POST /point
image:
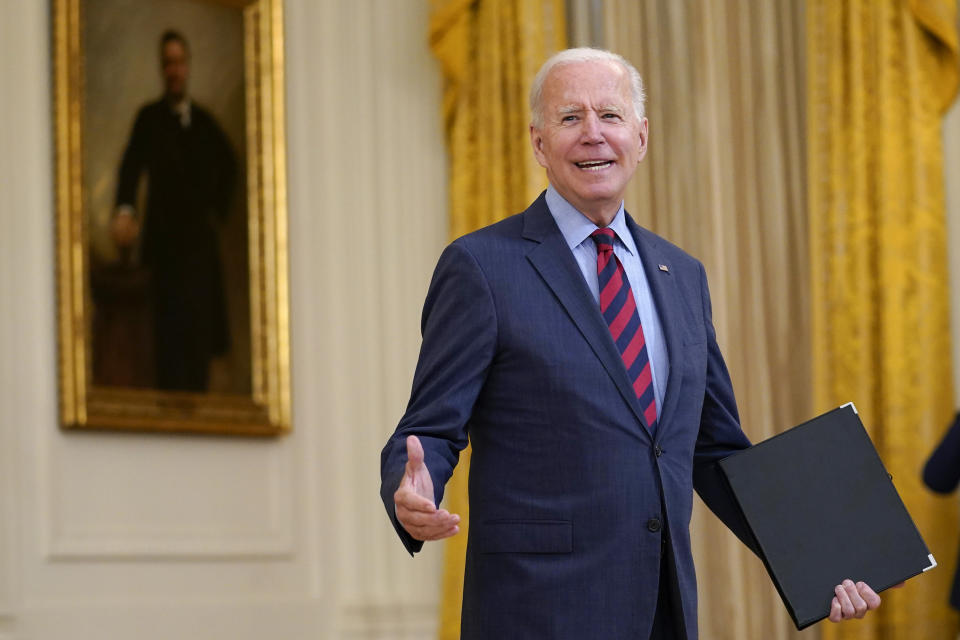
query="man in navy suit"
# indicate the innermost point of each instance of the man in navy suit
(584, 462)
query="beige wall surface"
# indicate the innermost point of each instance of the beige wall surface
(113, 536)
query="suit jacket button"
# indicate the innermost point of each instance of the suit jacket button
(657, 451)
(653, 524)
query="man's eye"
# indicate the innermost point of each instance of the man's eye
(568, 118)
(610, 116)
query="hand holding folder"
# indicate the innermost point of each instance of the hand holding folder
(822, 509)
(852, 600)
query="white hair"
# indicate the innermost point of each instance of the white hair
(584, 54)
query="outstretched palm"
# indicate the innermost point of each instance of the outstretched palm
(414, 500)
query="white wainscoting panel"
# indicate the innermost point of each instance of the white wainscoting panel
(396, 621)
(154, 497)
(175, 619)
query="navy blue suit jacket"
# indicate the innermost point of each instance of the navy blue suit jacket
(942, 474)
(565, 478)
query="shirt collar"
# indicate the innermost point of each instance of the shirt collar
(577, 227)
(182, 111)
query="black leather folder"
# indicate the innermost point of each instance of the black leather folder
(822, 508)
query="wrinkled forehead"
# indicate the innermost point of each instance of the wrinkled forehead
(594, 84)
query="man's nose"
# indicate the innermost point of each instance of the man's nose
(591, 133)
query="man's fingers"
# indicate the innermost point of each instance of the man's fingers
(859, 604)
(414, 453)
(836, 613)
(852, 601)
(406, 497)
(430, 534)
(413, 499)
(439, 519)
(846, 607)
(869, 595)
(434, 526)
(452, 531)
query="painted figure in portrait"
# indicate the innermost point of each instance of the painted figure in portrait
(168, 246)
(191, 171)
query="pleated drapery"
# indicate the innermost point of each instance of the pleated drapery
(882, 72)
(724, 179)
(489, 51)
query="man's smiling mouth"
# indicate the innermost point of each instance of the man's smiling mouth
(594, 165)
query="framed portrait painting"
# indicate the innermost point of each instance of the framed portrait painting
(171, 215)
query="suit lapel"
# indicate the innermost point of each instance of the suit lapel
(552, 259)
(666, 297)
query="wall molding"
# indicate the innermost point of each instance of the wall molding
(290, 618)
(387, 620)
(268, 534)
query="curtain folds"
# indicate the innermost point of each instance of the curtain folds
(882, 74)
(489, 51)
(724, 179)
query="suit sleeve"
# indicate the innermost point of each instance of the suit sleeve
(459, 340)
(133, 162)
(720, 434)
(224, 170)
(942, 471)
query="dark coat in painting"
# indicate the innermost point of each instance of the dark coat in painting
(190, 171)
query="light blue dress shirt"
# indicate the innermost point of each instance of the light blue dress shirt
(576, 229)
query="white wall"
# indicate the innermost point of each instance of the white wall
(112, 536)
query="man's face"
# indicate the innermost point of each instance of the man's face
(590, 141)
(175, 67)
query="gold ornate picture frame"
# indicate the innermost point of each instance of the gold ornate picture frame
(107, 59)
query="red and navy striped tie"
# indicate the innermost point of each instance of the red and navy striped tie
(619, 309)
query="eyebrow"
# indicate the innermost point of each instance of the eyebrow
(612, 108)
(576, 108)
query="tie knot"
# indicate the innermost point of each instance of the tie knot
(603, 238)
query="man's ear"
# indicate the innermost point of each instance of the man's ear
(643, 133)
(536, 141)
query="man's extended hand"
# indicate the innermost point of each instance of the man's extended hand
(852, 601)
(414, 500)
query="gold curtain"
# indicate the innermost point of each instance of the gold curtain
(489, 51)
(882, 72)
(724, 179)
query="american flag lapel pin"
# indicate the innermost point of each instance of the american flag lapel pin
(664, 268)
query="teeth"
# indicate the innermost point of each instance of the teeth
(594, 165)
